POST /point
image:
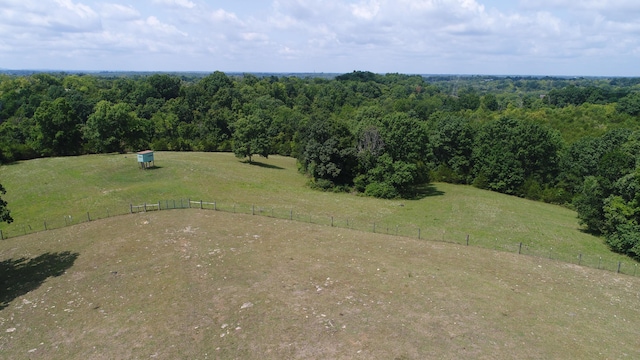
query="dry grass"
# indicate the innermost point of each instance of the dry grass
(198, 284)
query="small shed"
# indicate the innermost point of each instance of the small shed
(145, 159)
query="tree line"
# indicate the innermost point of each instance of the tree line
(569, 141)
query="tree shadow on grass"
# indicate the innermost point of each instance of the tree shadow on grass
(423, 191)
(154, 167)
(20, 276)
(263, 165)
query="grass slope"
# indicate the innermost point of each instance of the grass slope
(47, 190)
(198, 284)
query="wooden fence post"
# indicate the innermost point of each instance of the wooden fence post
(45, 225)
(418, 233)
(1, 235)
(619, 264)
(88, 216)
(467, 239)
(520, 248)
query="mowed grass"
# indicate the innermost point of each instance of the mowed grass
(200, 284)
(49, 190)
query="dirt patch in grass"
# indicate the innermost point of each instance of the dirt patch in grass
(205, 284)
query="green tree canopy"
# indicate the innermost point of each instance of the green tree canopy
(5, 214)
(57, 129)
(111, 128)
(250, 137)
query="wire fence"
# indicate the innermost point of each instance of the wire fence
(593, 261)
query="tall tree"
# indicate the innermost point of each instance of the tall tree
(250, 137)
(508, 152)
(57, 129)
(111, 127)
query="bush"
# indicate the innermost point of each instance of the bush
(625, 240)
(381, 190)
(446, 174)
(322, 184)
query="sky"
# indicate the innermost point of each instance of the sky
(483, 37)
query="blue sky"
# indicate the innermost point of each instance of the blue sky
(519, 37)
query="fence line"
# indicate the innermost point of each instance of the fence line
(623, 267)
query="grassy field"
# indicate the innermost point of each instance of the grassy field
(198, 284)
(60, 191)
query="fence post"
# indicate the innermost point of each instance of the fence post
(419, 234)
(520, 249)
(88, 217)
(215, 207)
(253, 209)
(374, 227)
(467, 239)
(332, 221)
(599, 262)
(189, 201)
(45, 225)
(145, 207)
(396, 230)
(619, 264)
(291, 214)
(200, 204)
(159, 202)
(1, 235)
(579, 259)
(130, 209)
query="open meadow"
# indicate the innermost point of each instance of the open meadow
(284, 283)
(56, 192)
(199, 284)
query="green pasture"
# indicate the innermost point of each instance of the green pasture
(56, 192)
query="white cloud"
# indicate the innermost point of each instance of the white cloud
(119, 12)
(366, 10)
(176, 3)
(329, 35)
(220, 15)
(57, 16)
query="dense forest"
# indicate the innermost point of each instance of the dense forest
(569, 141)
